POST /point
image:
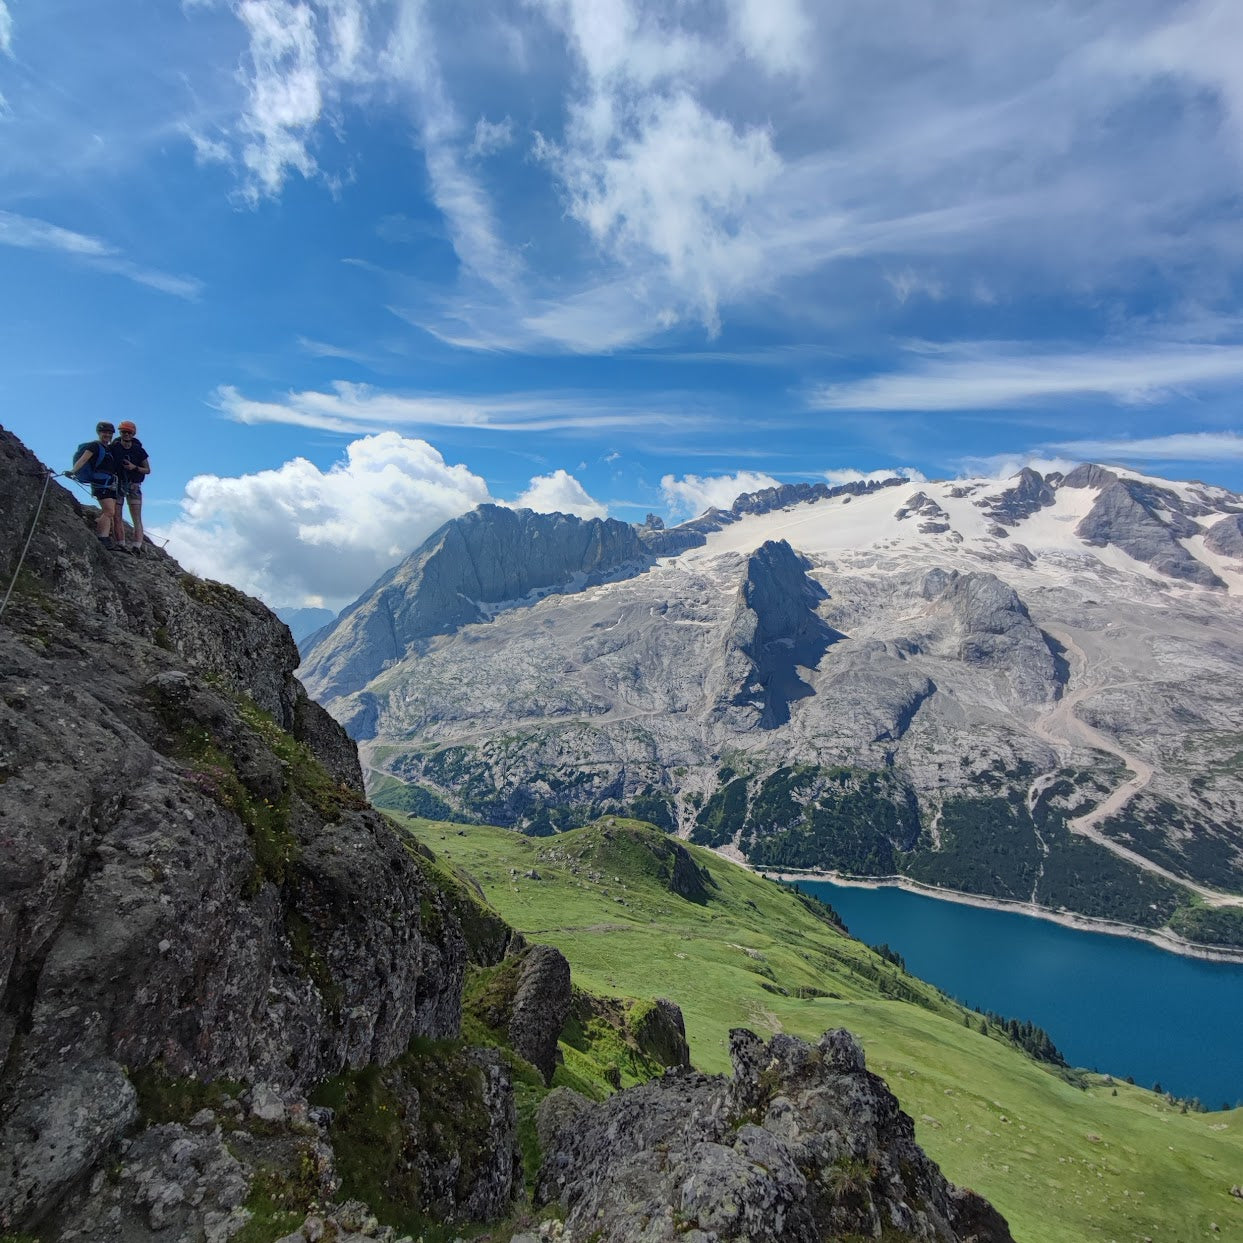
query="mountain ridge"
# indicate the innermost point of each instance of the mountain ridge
(966, 610)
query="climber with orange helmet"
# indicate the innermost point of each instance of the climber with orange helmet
(133, 466)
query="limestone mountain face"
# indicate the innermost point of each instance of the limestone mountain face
(1148, 524)
(489, 557)
(775, 630)
(1225, 537)
(999, 652)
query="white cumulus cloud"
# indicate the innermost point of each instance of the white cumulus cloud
(692, 494)
(298, 532)
(560, 493)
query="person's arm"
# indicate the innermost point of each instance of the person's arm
(145, 467)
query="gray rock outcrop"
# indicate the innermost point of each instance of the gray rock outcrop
(802, 1144)
(661, 1033)
(933, 519)
(992, 628)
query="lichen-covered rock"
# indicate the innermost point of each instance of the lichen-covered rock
(170, 1182)
(191, 876)
(802, 1144)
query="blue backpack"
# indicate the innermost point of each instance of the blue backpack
(92, 473)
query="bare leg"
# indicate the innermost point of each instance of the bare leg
(107, 517)
(135, 518)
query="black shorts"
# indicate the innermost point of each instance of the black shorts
(104, 492)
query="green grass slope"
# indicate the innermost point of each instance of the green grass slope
(1066, 1158)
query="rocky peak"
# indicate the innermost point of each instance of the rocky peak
(991, 628)
(1226, 537)
(1032, 492)
(490, 556)
(1089, 475)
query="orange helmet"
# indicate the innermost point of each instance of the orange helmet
(126, 426)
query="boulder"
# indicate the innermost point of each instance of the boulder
(540, 1007)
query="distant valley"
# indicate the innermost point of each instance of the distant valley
(1024, 689)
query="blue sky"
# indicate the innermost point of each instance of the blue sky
(355, 265)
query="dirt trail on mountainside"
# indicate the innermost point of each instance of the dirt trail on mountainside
(1060, 727)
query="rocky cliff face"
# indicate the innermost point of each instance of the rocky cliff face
(1226, 537)
(192, 879)
(986, 625)
(1147, 524)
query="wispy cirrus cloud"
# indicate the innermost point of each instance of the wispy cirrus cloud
(706, 161)
(31, 234)
(6, 29)
(981, 376)
(27, 233)
(353, 408)
(1221, 446)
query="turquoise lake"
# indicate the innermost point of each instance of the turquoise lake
(1113, 1004)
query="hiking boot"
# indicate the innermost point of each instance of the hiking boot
(107, 543)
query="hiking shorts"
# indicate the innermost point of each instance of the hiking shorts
(132, 491)
(104, 491)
